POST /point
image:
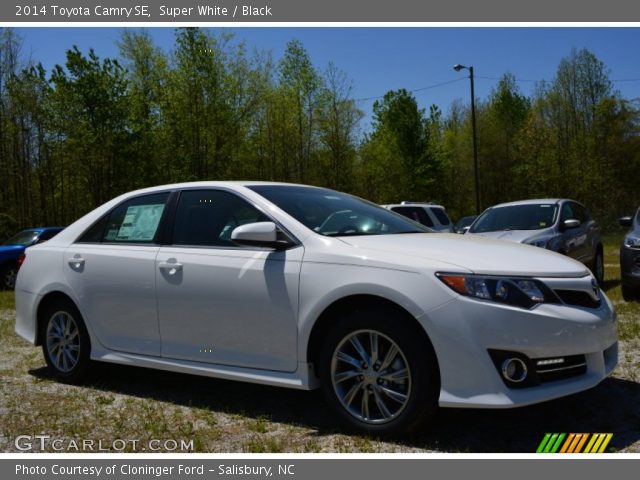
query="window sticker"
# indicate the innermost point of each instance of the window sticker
(140, 223)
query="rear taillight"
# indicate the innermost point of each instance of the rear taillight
(21, 258)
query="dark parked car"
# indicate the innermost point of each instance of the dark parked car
(630, 258)
(12, 249)
(562, 225)
(464, 223)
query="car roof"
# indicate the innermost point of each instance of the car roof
(41, 229)
(533, 201)
(414, 204)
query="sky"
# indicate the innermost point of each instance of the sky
(382, 59)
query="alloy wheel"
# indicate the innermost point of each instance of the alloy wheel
(63, 341)
(371, 376)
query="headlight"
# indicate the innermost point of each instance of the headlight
(519, 292)
(631, 241)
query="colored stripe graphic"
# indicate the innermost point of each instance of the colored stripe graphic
(574, 443)
(582, 442)
(543, 443)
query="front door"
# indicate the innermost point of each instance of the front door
(222, 303)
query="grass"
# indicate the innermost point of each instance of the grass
(121, 402)
(7, 300)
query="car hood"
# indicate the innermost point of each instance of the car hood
(474, 253)
(518, 236)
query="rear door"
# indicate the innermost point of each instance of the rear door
(222, 303)
(111, 269)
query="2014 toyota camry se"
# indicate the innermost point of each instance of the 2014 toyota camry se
(306, 287)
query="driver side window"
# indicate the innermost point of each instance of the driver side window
(567, 213)
(206, 218)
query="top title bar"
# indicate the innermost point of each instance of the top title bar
(297, 11)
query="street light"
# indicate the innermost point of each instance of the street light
(457, 67)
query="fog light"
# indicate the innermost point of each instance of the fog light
(514, 370)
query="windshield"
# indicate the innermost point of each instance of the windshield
(516, 217)
(333, 214)
(465, 222)
(26, 237)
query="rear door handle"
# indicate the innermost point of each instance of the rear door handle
(170, 267)
(76, 262)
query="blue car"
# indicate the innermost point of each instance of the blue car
(11, 250)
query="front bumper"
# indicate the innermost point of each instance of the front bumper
(630, 266)
(464, 330)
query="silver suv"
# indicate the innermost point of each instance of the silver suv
(428, 214)
(559, 224)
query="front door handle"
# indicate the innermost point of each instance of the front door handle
(170, 267)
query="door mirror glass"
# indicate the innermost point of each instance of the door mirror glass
(625, 221)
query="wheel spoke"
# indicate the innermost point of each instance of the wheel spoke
(389, 357)
(75, 348)
(355, 341)
(346, 375)
(393, 395)
(351, 394)
(343, 357)
(365, 404)
(373, 340)
(384, 410)
(396, 376)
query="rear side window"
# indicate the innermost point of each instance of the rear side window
(441, 216)
(47, 235)
(417, 214)
(207, 217)
(134, 221)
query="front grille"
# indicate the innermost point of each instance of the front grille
(578, 298)
(560, 368)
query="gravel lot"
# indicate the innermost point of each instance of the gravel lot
(222, 416)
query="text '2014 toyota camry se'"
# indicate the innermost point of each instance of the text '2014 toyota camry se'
(306, 287)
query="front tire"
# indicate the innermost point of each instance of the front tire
(379, 373)
(598, 266)
(65, 342)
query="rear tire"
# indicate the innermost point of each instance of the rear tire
(378, 374)
(9, 275)
(629, 294)
(65, 342)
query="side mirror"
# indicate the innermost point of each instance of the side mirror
(259, 234)
(625, 221)
(571, 223)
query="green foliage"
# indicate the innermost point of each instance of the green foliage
(211, 110)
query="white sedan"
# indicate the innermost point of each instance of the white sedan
(306, 287)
